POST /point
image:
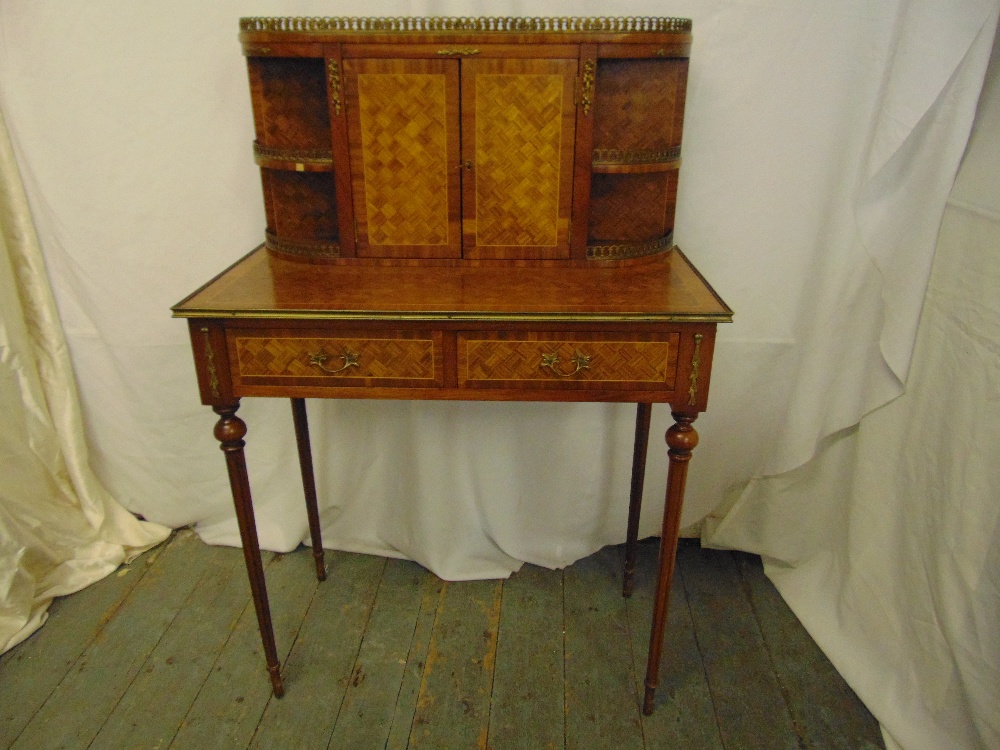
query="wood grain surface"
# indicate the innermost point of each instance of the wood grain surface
(663, 288)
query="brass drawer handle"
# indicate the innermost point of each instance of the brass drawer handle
(349, 357)
(465, 51)
(581, 361)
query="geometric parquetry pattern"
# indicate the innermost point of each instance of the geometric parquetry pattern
(639, 104)
(304, 204)
(610, 361)
(630, 207)
(518, 141)
(294, 113)
(404, 147)
(376, 358)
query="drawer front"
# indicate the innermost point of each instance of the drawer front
(386, 359)
(566, 360)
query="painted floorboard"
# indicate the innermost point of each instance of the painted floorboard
(81, 703)
(684, 716)
(32, 670)
(368, 710)
(174, 673)
(827, 713)
(386, 654)
(230, 704)
(527, 710)
(409, 688)
(600, 683)
(453, 707)
(749, 705)
(318, 669)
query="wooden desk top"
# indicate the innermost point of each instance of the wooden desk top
(666, 288)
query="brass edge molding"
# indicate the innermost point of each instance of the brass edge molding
(302, 247)
(509, 24)
(333, 71)
(292, 156)
(586, 96)
(213, 373)
(626, 250)
(695, 364)
(434, 316)
(613, 156)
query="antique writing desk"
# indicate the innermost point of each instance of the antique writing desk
(273, 327)
(473, 209)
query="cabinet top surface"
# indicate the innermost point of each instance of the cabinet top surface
(624, 29)
(666, 288)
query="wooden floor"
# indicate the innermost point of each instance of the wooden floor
(165, 653)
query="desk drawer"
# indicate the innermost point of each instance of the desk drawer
(388, 359)
(567, 360)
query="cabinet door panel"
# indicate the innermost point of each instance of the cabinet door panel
(403, 134)
(518, 123)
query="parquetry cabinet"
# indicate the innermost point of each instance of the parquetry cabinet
(468, 139)
(474, 209)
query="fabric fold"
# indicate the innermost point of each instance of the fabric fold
(60, 530)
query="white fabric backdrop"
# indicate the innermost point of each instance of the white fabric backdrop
(887, 543)
(821, 140)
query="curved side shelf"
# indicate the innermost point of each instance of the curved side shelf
(294, 160)
(638, 161)
(302, 249)
(628, 250)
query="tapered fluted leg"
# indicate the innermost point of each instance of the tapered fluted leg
(309, 483)
(681, 439)
(229, 431)
(642, 415)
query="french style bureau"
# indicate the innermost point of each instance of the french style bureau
(474, 209)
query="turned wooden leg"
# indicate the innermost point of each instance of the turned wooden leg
(681, 439)
(229, 431)
(635, 498)
(309, 483)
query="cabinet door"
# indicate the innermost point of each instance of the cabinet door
(402, 119)
(518, 124)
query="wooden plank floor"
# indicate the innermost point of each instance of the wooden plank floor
(165, 653)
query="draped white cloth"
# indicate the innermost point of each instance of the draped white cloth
(821, 141)
(887, 543)
(60, 530)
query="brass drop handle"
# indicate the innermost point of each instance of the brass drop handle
(320, 357)
(458, 51)
(467, 164)
(581, 362)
